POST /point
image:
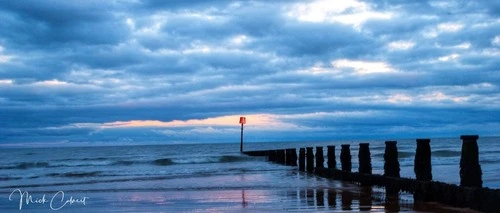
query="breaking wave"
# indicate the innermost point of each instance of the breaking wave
(26, 165)
(201, 160)
(108, 162)
(446, 153)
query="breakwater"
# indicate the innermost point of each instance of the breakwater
(469, 194)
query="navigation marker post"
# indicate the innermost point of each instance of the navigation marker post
(243, 121)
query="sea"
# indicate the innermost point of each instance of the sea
(210, 178)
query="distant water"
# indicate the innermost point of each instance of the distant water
(159, 168)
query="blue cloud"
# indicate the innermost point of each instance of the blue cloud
(397, 68)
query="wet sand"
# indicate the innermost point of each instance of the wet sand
(321, 199)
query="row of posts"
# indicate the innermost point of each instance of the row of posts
(470, 170)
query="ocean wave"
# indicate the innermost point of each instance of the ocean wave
(201, 160)
(26, 165)
(85, 159)
(163, 162)
(76, 174)
(100, 162)
(489, 161)
(446, 153)
(406, 154)
(230, 159)
(124, 163)
(400, 155)
(9, 178)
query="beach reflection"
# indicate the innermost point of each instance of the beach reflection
(332, 198)
(392, 203)
(336, 199)
(346, 200)
(343, 199)
(243, 202)
(365, 199)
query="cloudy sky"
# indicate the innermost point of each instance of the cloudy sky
(146, 71)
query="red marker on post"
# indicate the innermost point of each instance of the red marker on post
(243, 121)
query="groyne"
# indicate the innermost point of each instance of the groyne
(469, 194)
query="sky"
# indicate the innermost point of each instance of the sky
(162, 72)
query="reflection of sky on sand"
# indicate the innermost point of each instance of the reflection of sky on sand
(268, 191)
(259, 192)
(347, 197)
(292, 199)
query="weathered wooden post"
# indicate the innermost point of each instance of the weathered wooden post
(423, 168)
(270, 155)
(282, 156)
(391, 162)
(287, 157)
(310, 159)
(276, 156)
(332, 163)
(345, 157)
(470, 170)
(391, 167)
(365, 162)
(319, 157)
(423, 165)
(302, 159)
(292, 153)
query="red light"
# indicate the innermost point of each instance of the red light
(243, 120)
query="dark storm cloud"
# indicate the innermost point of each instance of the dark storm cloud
(54, 23)
(372, 68)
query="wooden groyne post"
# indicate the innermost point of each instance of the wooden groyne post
(272, 156)
(345, 158)
(422, 163)
(332, 163)
(288, 158)
(470, 170)
(302, 159)
(281, 156)
(391, 166)
(391, 162)
(319, 157)
(365, 161)
(310, 159)
(291, 157)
